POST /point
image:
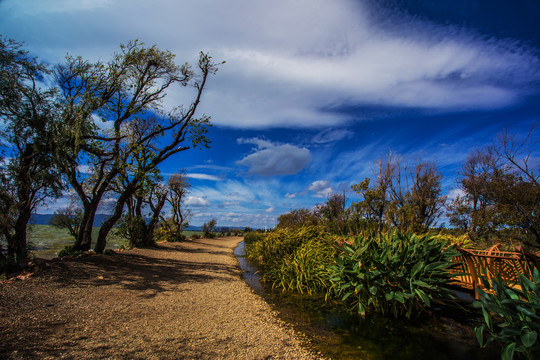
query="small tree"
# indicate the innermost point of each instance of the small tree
(68, 218)
(333, 214)
(208, 228)
(416, 197)
(178, 189)
(376, 198)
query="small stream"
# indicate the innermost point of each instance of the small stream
(339, 334)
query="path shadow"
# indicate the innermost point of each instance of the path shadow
(149, 274)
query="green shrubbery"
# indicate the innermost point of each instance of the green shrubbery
(69, 251)
(517, 317)
(252, 236)
(295, 259)
(396, 274)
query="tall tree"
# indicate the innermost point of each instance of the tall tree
(501, 185)
(29, 112)
(127, 93)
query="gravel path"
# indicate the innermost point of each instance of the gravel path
(178, 301)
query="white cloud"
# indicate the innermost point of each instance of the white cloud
(270, 209)
(289, 63)
(290, 196)
(203, 177)
(331, 135)
(271, 159)
(196, 201)
(84, 169)
(321, 188)
(454, 193)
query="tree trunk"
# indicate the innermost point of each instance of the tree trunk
(18, 248)
(113, 219)
(84, 238)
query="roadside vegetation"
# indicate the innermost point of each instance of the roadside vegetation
(387, 255)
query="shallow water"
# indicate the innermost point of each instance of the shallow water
(340, 334)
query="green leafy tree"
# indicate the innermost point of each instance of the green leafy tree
(128, 93)
(29, 113)
(459, 213)
(296, 219)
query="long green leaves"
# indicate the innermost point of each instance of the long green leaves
(396, 274)
(296, 259)
(517, 316)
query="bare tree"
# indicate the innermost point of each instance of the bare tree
(416, 197)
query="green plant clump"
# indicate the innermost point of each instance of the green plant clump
(294, 259)
(252, 237)
(69, 251)
(519, 313)
(395, 274)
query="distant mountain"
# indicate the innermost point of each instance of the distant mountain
(43, 219)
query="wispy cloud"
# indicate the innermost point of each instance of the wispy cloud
(204, 177)
(294, 64)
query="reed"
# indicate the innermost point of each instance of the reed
(295, 259)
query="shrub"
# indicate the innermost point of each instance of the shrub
(69, 251)
(252, 237)
(177, 238)
(196, 236)
(293, 259)
(395, 274)
(307, 269)
(519, 314)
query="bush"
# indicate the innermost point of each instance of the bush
(196, 236)
(176, 238)
(519, 312)
(293, 259)
(252, 237)
(69, 251)
(395, 274)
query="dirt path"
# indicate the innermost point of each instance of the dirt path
(178, 301)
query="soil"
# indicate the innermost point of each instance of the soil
(176, 301)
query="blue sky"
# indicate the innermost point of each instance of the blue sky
(313, 92)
